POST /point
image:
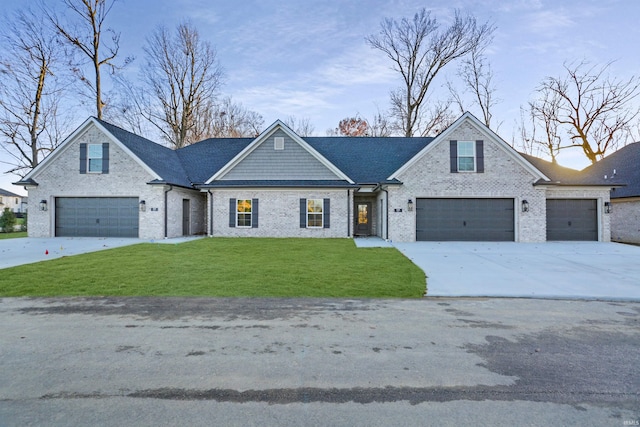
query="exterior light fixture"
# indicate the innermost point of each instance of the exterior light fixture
(143, 206)
(43, 205)
(525, 206)
(607, 207)
(410, 205)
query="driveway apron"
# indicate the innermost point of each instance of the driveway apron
(585, 270)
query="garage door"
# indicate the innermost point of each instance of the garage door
(572, 219)
(464, 220)
(97, 217)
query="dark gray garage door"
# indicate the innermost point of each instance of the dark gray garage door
(572, 219)
(464, 220)
(97, 217)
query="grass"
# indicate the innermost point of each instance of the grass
(222, 267)
(13, 235)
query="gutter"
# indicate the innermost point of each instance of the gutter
(386, 228)
(210, 197)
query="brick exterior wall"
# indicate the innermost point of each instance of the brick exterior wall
(279, 212)
(625, 220)
(503, 177)
(126, 178)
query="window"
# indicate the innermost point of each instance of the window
(466, 156)
(278, 143)
(314, 213)
(94, 157)
(17, 201)
(243, 213)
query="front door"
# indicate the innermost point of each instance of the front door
(363, 219)
(186, 215)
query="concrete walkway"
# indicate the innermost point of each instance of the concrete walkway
(28, 250)
(580, 270)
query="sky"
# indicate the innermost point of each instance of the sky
(309, 59)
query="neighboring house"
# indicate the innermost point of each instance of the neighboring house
(12, 201)
(466, 184)
(622, 167)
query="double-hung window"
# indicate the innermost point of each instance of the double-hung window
(315, 213)
(466, 156)
(94, 158)
(243, 213)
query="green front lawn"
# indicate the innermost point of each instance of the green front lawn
(221, 267)
(13, 235)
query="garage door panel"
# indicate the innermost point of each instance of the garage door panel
(97, 217)
(572, 219)
(465, 219)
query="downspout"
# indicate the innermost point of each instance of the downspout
(386, 208)
(210, 196)
(348, 213)
(166, 213)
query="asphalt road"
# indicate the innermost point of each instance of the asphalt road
(169, 361)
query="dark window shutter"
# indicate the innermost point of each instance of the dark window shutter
(480, 156)
(254, 213)
(83, 158)
(232, 212)
(303, 213)
(326, 210)
(105, 158)
(453, 154)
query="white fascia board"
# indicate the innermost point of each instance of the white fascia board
(68, 142)
(481, 127)
(125, 149)
(262, 138)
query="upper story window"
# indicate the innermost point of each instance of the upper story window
(94, 158)
(466, 156)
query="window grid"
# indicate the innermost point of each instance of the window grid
(243, 213)
(314, 213)
(94, 158)
(466, 156)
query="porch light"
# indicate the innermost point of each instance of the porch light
(43, 205)
(607, 207)
(143, 206)
(410, 205)
(525, 206)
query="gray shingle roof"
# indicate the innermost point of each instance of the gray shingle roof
(560, 175)
(626, 164)
(6, 193)
(162, 160)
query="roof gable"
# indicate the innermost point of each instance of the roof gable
(444, 137)
(294, 160)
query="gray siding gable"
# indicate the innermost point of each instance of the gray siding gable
(294, 162)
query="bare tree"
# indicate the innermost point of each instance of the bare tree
(477, 78)
(593, 108)
(84, 32)
(31, 124)
(544, 114)
(230, 120)
(301, 126)
(419, 50)
(182, 75)
(379, 126)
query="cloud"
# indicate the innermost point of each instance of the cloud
(549, 22)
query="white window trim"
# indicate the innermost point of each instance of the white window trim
(89, 158)
(475, 161)
(244, 213)
(315, 213)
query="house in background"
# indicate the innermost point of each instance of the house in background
(466, 184)
(623, 168)
(12, 201)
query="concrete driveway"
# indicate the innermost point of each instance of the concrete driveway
(584, 270)
(29, 250)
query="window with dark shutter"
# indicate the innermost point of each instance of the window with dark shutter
(105, 157)
(232, 212)
(303, 213)
(480, 156)
(327, 213)
(453, 156)
(254, 213)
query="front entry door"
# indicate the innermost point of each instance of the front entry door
(363, 219)
(186, 214)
